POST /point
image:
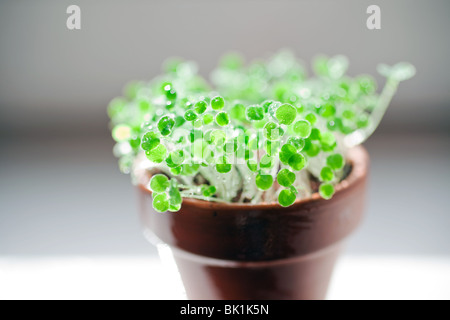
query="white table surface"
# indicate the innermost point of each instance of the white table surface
(122, 277)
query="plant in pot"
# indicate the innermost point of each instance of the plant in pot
(255, 181)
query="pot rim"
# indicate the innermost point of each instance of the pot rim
(358, 157)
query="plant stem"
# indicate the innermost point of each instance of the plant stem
(361, 135)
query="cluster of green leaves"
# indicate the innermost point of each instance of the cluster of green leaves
(258, 132)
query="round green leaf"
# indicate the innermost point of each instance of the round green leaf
(302, 128)
(252, 165)
(327, 110)
(254, 113)
(223, 166)
(200, 107)
(335, 161)
(222, 119)
(179, 121)
(312, 150)
(286, 114)
(217, 103)
(165, 125)
(286, 152)
(207, 119)
(190, 115)
(175, 158)
(150, 141)
(264, 181)
(286, 197)
(161, 202)
(298, 143)
(362, 121)
(208, 191)
(326, 190)
(266, 162)
(326, 174)
(169, 91)
(311, 118)
(238, 112)
(315, 134)
(157, 154)
(285, 177)
(175, 196)
(159, 183)
(297, 161)
(174, 207)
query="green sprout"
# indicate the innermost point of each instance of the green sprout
(265, 133)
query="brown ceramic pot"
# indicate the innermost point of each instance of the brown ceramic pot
(265, 251)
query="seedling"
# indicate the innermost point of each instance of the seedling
(261, 133)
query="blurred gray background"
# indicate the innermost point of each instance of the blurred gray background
(60, 188)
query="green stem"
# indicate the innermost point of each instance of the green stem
(359, 136)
